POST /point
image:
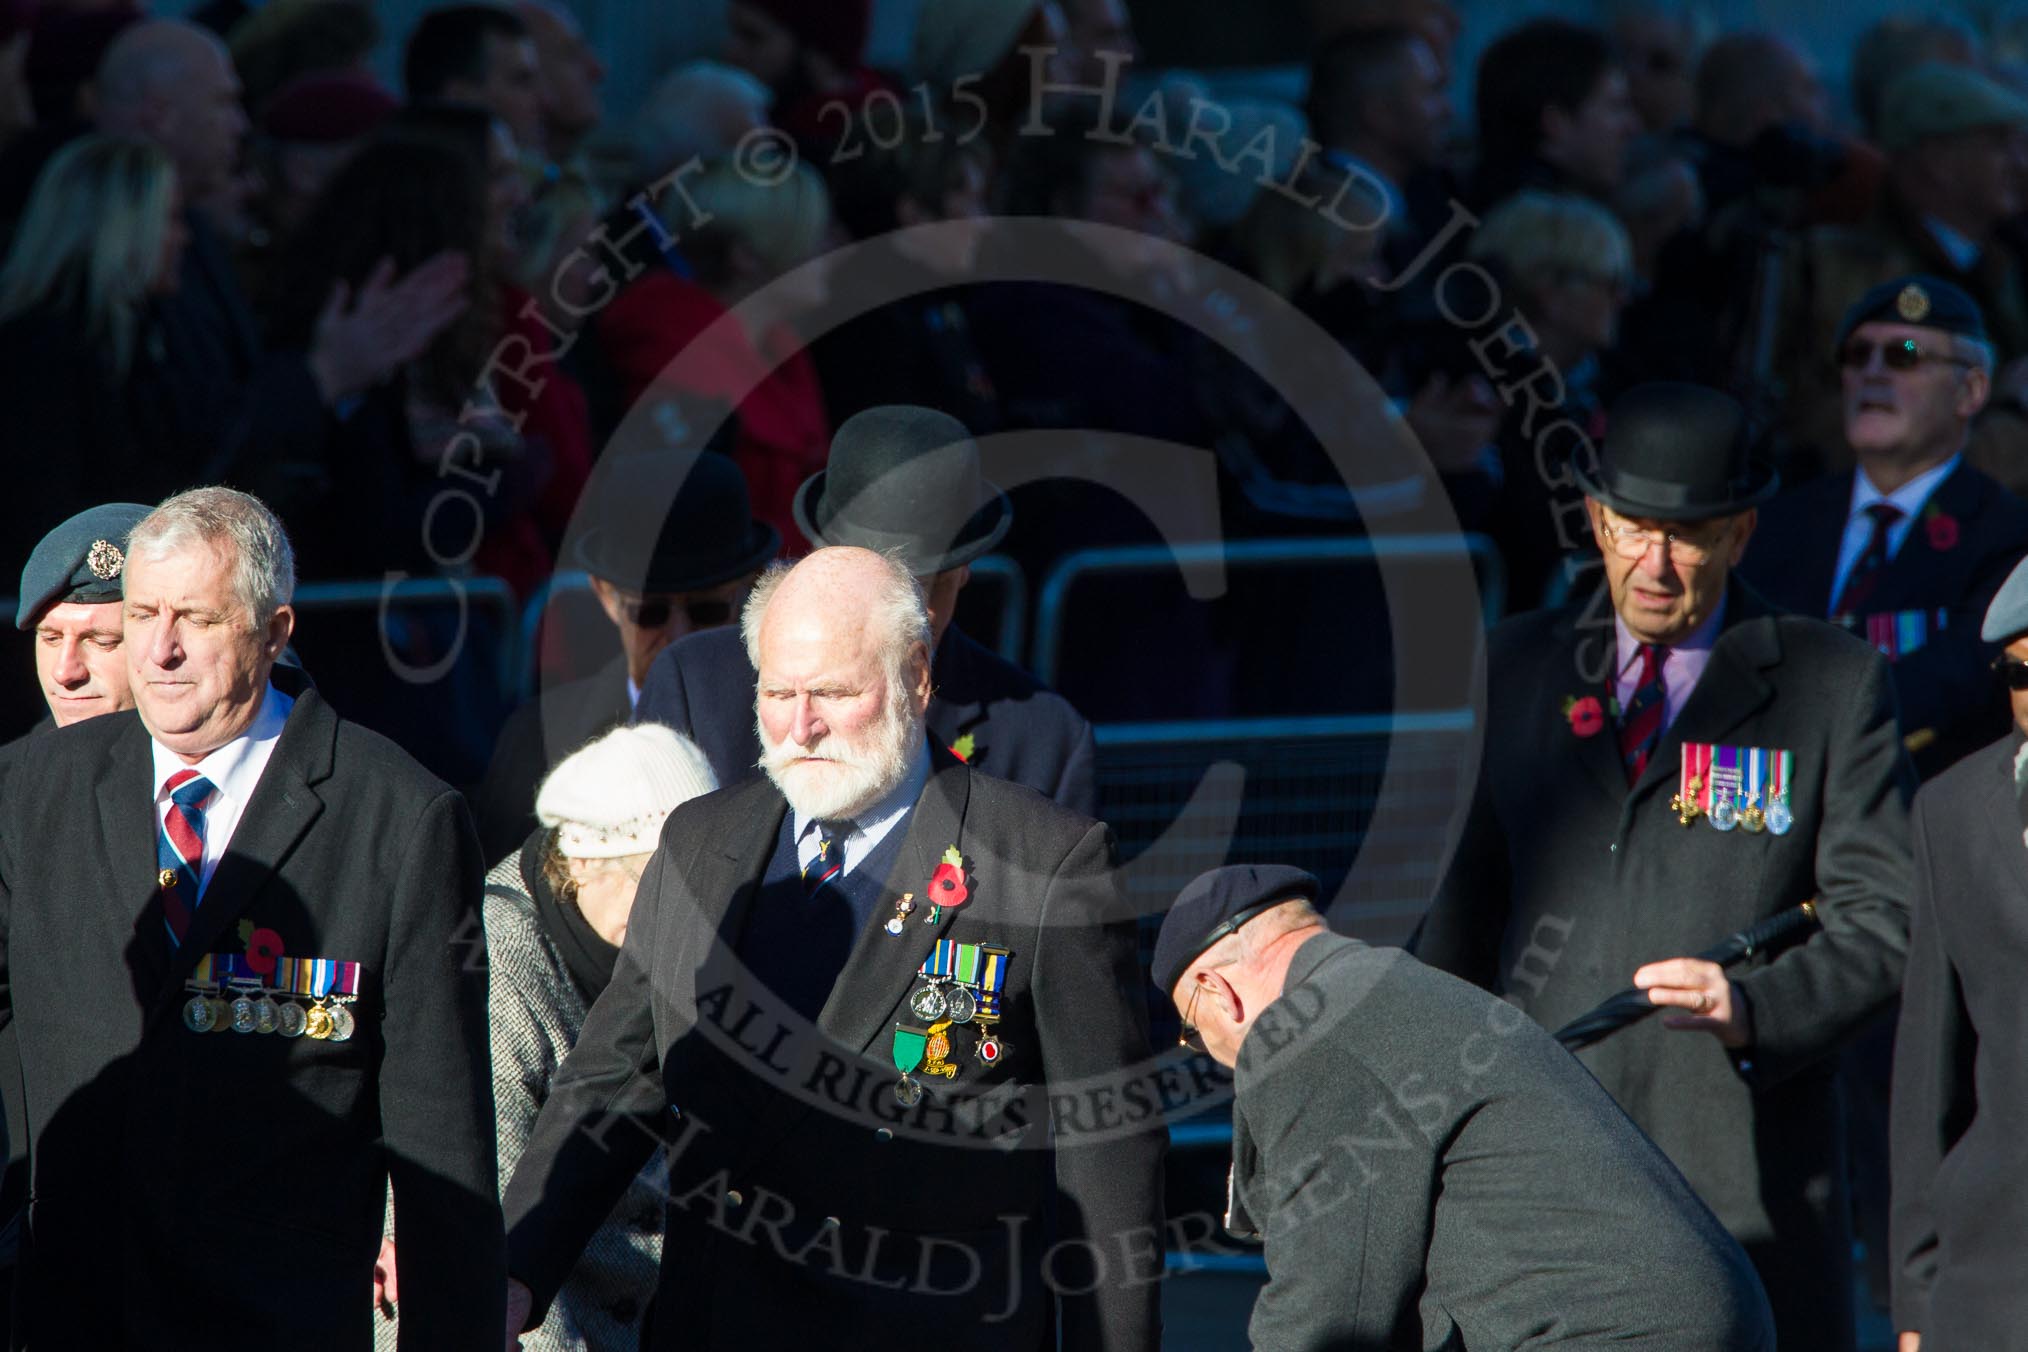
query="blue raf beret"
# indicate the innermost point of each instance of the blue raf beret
(1213, 905)
(81, 560)
(2007, 617)
(1929, 302)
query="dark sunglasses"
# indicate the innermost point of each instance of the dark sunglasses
(652, 612)
(1898, 354)
(2012, 670)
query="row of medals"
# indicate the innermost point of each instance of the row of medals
(939, 998)
(1725, 815)
(257, 1011)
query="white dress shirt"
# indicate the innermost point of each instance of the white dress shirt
(233, 769)
(870, 827)
(1910, 498)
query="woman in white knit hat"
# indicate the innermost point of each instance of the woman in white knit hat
(556, 912)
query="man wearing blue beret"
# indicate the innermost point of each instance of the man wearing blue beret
(1425, 1165)
(70, 601)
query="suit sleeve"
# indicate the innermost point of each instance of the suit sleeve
(1461, 931)
(1093, 1026)
(663, 698)
(1933, 1095)
(1946, 680)
(602, 1120)
(1077, 787)
(436, 1089)
(1813, 998)
(505, 800)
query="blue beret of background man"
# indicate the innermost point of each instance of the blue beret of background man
(70, 601)
(1959, 1224)
(1426, 1166)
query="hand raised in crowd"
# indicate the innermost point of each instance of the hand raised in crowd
(1454, 419)
(385, 1293)
(520, 1302)
(1703, 988)
(361, 339)
(1909, 1341)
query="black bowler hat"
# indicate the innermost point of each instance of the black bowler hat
(1215, 904)
(1930, 302)
(905, 479)
(666, 522)
(81, 560)
(1677, 453)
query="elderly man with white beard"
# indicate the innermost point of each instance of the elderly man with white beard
(881, 1014)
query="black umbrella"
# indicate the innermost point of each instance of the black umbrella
(1632, 1004)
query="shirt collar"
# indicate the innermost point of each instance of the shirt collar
(1910, 497)
(1703, 636)
(898, 800)
(224, 765)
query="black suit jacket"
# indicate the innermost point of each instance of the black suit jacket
(1960, 1113)
(806, 1202)
(210, 1189)
(703, 686)
(1944, 686)
(1565, 881)
(535, 737)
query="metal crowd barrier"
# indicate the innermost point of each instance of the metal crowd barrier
(1163, 560)
(476, 595)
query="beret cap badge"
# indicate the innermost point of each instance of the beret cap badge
(105, 560)
(1912, 304)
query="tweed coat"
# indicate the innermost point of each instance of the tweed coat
(1960, 1113)
(1565, 881)
(205, 1189)
(807, 1203)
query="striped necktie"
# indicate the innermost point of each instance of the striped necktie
(829, 860)
(179, 850)
(1864, 578)
(1641, 720)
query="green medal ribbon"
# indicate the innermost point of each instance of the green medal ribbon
(909, 1045)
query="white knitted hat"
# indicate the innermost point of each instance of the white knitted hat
(610, 797)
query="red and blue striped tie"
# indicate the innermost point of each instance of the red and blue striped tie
(1641, 720)
(179, 849)
(827, 862)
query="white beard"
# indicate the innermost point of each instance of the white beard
(853, 776)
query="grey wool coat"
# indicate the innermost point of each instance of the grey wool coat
(1565, 881)
(1430, 1170)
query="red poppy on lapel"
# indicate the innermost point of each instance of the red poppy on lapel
(947, 885)
(263, 951)
(1586, 716)
(1943, 530)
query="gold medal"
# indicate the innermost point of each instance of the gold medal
(317, 1023)
(166, 878)
(937, 1051)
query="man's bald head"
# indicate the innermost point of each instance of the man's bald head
(840, 646)
(1748, 82)
(172, 83)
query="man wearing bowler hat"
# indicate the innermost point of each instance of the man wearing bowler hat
(1426, 1166)
(1666, 763)
(903, 481)
(672, 547)
(1907, 549)
(1960, 1215)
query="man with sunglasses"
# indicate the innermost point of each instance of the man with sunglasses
(1960, 1219)
(903, 481)
(1426, 1166)
(1666, 763)
(1907, 548)
(671, 545)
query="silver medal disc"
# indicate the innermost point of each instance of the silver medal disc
(907, 1092)
(243, 1016)
(928, 1003)
(960, 1005)
(197, 1014)
(1779, 818)
(291, 1021)
(894, 924)
(1724, 815)
(267, 1015)
(342, 1023)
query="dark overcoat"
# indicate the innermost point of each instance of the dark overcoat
(1960, 1114)
(806, 1203)
(220, 1189)
(703, 687)
(1968, 538)
(1565, 881)
(534, 739)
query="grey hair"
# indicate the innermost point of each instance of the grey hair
(263, 562)
(678, 121)
(898, 613)
(1976, 351)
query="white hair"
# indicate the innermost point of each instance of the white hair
(897, 614)
(263, 563)
(699, 110)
